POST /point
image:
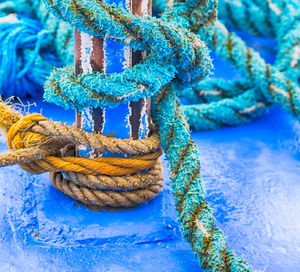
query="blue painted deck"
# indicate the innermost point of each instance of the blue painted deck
(252, 175)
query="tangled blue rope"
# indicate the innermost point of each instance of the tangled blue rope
(23, 43)
(36, 43)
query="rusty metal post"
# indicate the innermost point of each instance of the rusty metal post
(129, 120)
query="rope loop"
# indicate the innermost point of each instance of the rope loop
(177, 59)
(216, 103)
(173, 53)
(38, 145)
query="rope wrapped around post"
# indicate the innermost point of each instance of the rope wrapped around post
(178, 59)
(36, 145)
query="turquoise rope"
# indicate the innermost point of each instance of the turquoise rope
(210, 90)
(177, 63)
(278, 84)
(226, 112)
(208, 242)
(174, 52)
(97, 90)
(270, 84)
(260, 12)
(165, 39)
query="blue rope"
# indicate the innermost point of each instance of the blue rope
(24, 44)
(176, 65)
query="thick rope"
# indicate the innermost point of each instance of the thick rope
(33, 46)
(110, 198)
(208, 241)
(174, 53)
(90, 181)
(178, 58)
(269, 18)
(266, 84)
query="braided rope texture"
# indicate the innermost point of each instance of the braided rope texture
(177, 61)
(173, 53)
(172, 45)
(215, 103)
(35, 144)
(186, 60)
(229, 103)
(208, 242)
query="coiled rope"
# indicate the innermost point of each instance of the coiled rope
(178, 59)
(24, 44)
(35, 144)
(30, 48)
(229, 103)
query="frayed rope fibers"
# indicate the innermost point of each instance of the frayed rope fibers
(177, 63)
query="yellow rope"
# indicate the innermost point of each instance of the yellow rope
(39, 145)
(105, 166)
(19, 136)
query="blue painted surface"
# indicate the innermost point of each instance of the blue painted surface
(252, 175)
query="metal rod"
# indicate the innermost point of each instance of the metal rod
(130, 120)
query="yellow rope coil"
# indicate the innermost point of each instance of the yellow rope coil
(41, 152)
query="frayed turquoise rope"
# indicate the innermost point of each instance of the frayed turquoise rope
(207, 241)
(288, 57)
(269, 84)
(259, 11)
(192, 65)
(275, 84)
(226, 112)
(210, 90)
(217, 103)
(176, 53)
(182, 61)
(279, 20)
(98, 90)
(167, 40)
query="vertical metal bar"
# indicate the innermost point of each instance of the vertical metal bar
(130, 120)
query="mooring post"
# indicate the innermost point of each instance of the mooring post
(129, 120)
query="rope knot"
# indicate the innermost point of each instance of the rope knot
(19, 134)
(39, 145)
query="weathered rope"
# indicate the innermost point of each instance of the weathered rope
(174, 53)
(264, 84)
(276, 19)
(178, 59)
(36, 142)
(60, 33)
(34, 46)
(208, 241)
(26, 44)
(109, 198)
